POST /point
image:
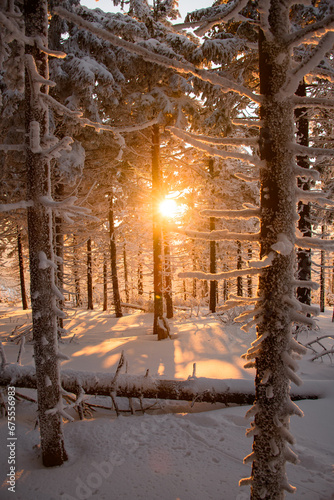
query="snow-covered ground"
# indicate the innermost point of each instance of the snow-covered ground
(175, 451)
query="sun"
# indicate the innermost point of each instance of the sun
(168, 207)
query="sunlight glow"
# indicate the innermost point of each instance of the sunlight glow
(168, 208)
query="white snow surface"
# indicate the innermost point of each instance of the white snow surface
(176, 451)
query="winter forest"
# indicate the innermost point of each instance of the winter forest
(166, 239)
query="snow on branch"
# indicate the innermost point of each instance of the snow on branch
(307, 196)
(19, 35)
(228, 12)
(255, 267)
(263, 9)
(224, 141)
(37, 80)
(148, 55)
(44, 262)
(85, 122)
(247, 123)
(301, 318)
(316, 29)
(220, 276)
(7, 207)
(232, 214)
(312, 102)
(222, 235)
(247, 178)
(190, 139)
(16, 33)
(306, 172)
(283, 245)
(52, 53)
(305, 284)
(66, 208)
(308, 242)
(308, 151)
(299, 306)
(324, 46)
(63, 145)
(60, 108)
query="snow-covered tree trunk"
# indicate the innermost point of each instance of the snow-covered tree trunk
(42, 267)
(278, 215)
(113, 260)
(21, 270)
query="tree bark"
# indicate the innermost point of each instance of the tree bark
(40, 233)
(272, 382)
(90, 304)
(157, 234)
(304, 209)
(113, 260)
(21, 270)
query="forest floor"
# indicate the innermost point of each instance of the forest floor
(175, 451)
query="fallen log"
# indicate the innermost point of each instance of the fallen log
(228, 391)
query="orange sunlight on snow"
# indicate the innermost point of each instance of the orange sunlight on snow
(104, 347)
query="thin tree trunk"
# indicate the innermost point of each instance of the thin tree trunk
(90, 304)
(78, 301)
(105, 283)
(322, 275)
(213, 263)
(157, 232)
(168, 277)
(193, 253)
(40, 233)
(126, 278)
(213, 269)
(140, 284)
(304, 209)
(21, 270)
(59, 251)
(239, 266)
(249, 278)
(113, 260)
